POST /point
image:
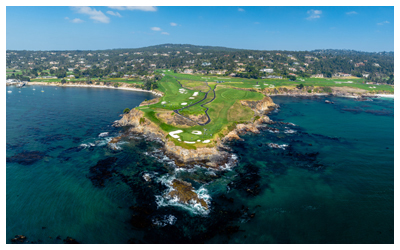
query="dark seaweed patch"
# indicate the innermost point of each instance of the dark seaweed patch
(102, 171)
(26, 157)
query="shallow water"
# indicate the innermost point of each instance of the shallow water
(326, 178)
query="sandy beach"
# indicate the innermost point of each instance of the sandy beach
(92, 86)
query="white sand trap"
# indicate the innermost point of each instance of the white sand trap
(162, 103)
(198, 140)
(184, 103)
(196, 132)
(256, 85)
(191, 98)
(174, 134)
(195, 93)
(179, 140)
(206, 141)
(190, 142)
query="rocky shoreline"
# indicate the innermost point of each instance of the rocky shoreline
(214, 157)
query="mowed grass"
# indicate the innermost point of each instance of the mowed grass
(353, 82)
(173, 97)
(195, 85)
(224, 111)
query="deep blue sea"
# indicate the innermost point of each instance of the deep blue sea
(322, 173)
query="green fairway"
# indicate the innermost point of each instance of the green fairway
(224, 109)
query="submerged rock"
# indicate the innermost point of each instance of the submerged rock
(70, 240)
(18, 239)
(184, 192)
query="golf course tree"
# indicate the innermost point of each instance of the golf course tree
(126, 111)
(391, 79)
(300, 86)
(63, 81)
(292, 78)
(329, 75)
(88, 79)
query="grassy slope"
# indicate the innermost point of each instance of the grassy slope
(226, 109)
(266, 83)
(218, 110)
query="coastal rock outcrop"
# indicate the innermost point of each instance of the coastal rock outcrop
(184, 192)
(260, 107)
(211, 156)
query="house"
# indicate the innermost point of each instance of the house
(71, 76)
(53, 63)
(267, 70)
(292, 74)
(306, 64)
(206, 64)
(240, 69)
(153, 65)
(240, 64)
(250, 57)
(293, 69)
(342, 75)
(188, 71)
(375, 64)
(317, 76)
(232, 74)
(274, 77)
(365, 75)
(70, 69)
(359, 64)
(54, 68)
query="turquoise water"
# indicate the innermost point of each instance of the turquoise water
(331, 180)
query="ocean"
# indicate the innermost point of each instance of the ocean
(322, 173)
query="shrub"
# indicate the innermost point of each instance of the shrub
(126, 111)
(142, 120)
(116, 85)
(327, 89)
(257, 117)
(300, 86)
(63, 81)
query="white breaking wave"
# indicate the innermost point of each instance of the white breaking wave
(165, 220)
(274, 145)
(104, 134)
(290, 131)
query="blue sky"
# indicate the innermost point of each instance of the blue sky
(264, 28)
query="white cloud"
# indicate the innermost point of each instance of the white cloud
(313, 14)
(66, 18)
(112, 13)
(382, 23)
(77, 20)
(142, 8)
(351, 13)
(93, 14)
(173, 24)
(155, 28)
(240, 9)
(165, 33)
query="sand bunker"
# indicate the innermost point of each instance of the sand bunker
(174, 133)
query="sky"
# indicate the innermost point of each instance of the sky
(263, 28)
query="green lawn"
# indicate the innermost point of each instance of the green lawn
(225, 110)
